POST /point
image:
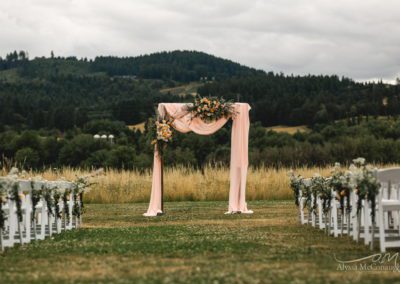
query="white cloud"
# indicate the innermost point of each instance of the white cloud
(346, 37)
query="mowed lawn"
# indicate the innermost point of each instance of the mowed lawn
(193, 243)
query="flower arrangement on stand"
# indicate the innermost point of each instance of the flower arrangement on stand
(297, 185)
(359, 179)
(322, 189)
(341, 183)
(366, 187)
(210, 109)
(56, 203)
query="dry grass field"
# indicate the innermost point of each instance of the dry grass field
(289, 129)
(139, 126)
(184, 184)
(188, 89)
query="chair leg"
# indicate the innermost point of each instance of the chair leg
(367, 214)
(381, 230)
(1, 240)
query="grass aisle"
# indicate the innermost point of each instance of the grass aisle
(194, 242)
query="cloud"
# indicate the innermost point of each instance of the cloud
(353, 38)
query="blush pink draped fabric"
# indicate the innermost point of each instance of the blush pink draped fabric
(239, 152)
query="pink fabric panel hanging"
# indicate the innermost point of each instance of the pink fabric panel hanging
(239, 152)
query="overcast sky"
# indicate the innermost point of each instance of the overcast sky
(355, 38)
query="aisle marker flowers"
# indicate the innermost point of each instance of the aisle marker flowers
(360, 178)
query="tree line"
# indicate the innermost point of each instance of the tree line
(50, 108)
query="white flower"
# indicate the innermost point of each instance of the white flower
(359, 161)
(13, 172)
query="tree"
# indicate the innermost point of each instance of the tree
(27, 158)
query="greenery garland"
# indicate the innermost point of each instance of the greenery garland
(317, 187)
(80, 185)
(325, 193)
(76, 211)
(35, 199)
(296, 184)
(56, 197)
(2, 212)
(367, 188)
(341, 184)
(48, 198)
(307, 194)
(17, 199)
(65, 203)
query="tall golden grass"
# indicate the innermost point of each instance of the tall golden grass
(183, 184)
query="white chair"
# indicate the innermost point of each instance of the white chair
(388, 202)
(5, 240)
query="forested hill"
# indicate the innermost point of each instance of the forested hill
(308, 100)
(182, 66)
(63, 93)
(50, 108)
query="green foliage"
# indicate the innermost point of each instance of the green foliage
(36, 195)
(27, 158)
(49, 199)
(297, 185)
(14, 195)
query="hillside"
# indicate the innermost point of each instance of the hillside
(64, 93)
(50, 108)
(181, 66)
(278, 99)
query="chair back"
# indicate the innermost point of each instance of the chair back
(390, 181)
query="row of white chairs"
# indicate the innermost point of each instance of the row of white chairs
(39, 222)
(345, 221)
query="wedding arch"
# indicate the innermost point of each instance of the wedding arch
(183, 121)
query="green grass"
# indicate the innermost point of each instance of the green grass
(183, 90)
(193, 243)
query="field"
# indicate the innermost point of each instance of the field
(193, 243)
(184, 184)
(182, 91)
(289, 129)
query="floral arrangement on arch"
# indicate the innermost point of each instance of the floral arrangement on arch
(162, 132)
(210, 109)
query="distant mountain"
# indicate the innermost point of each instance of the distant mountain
(181, 66)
